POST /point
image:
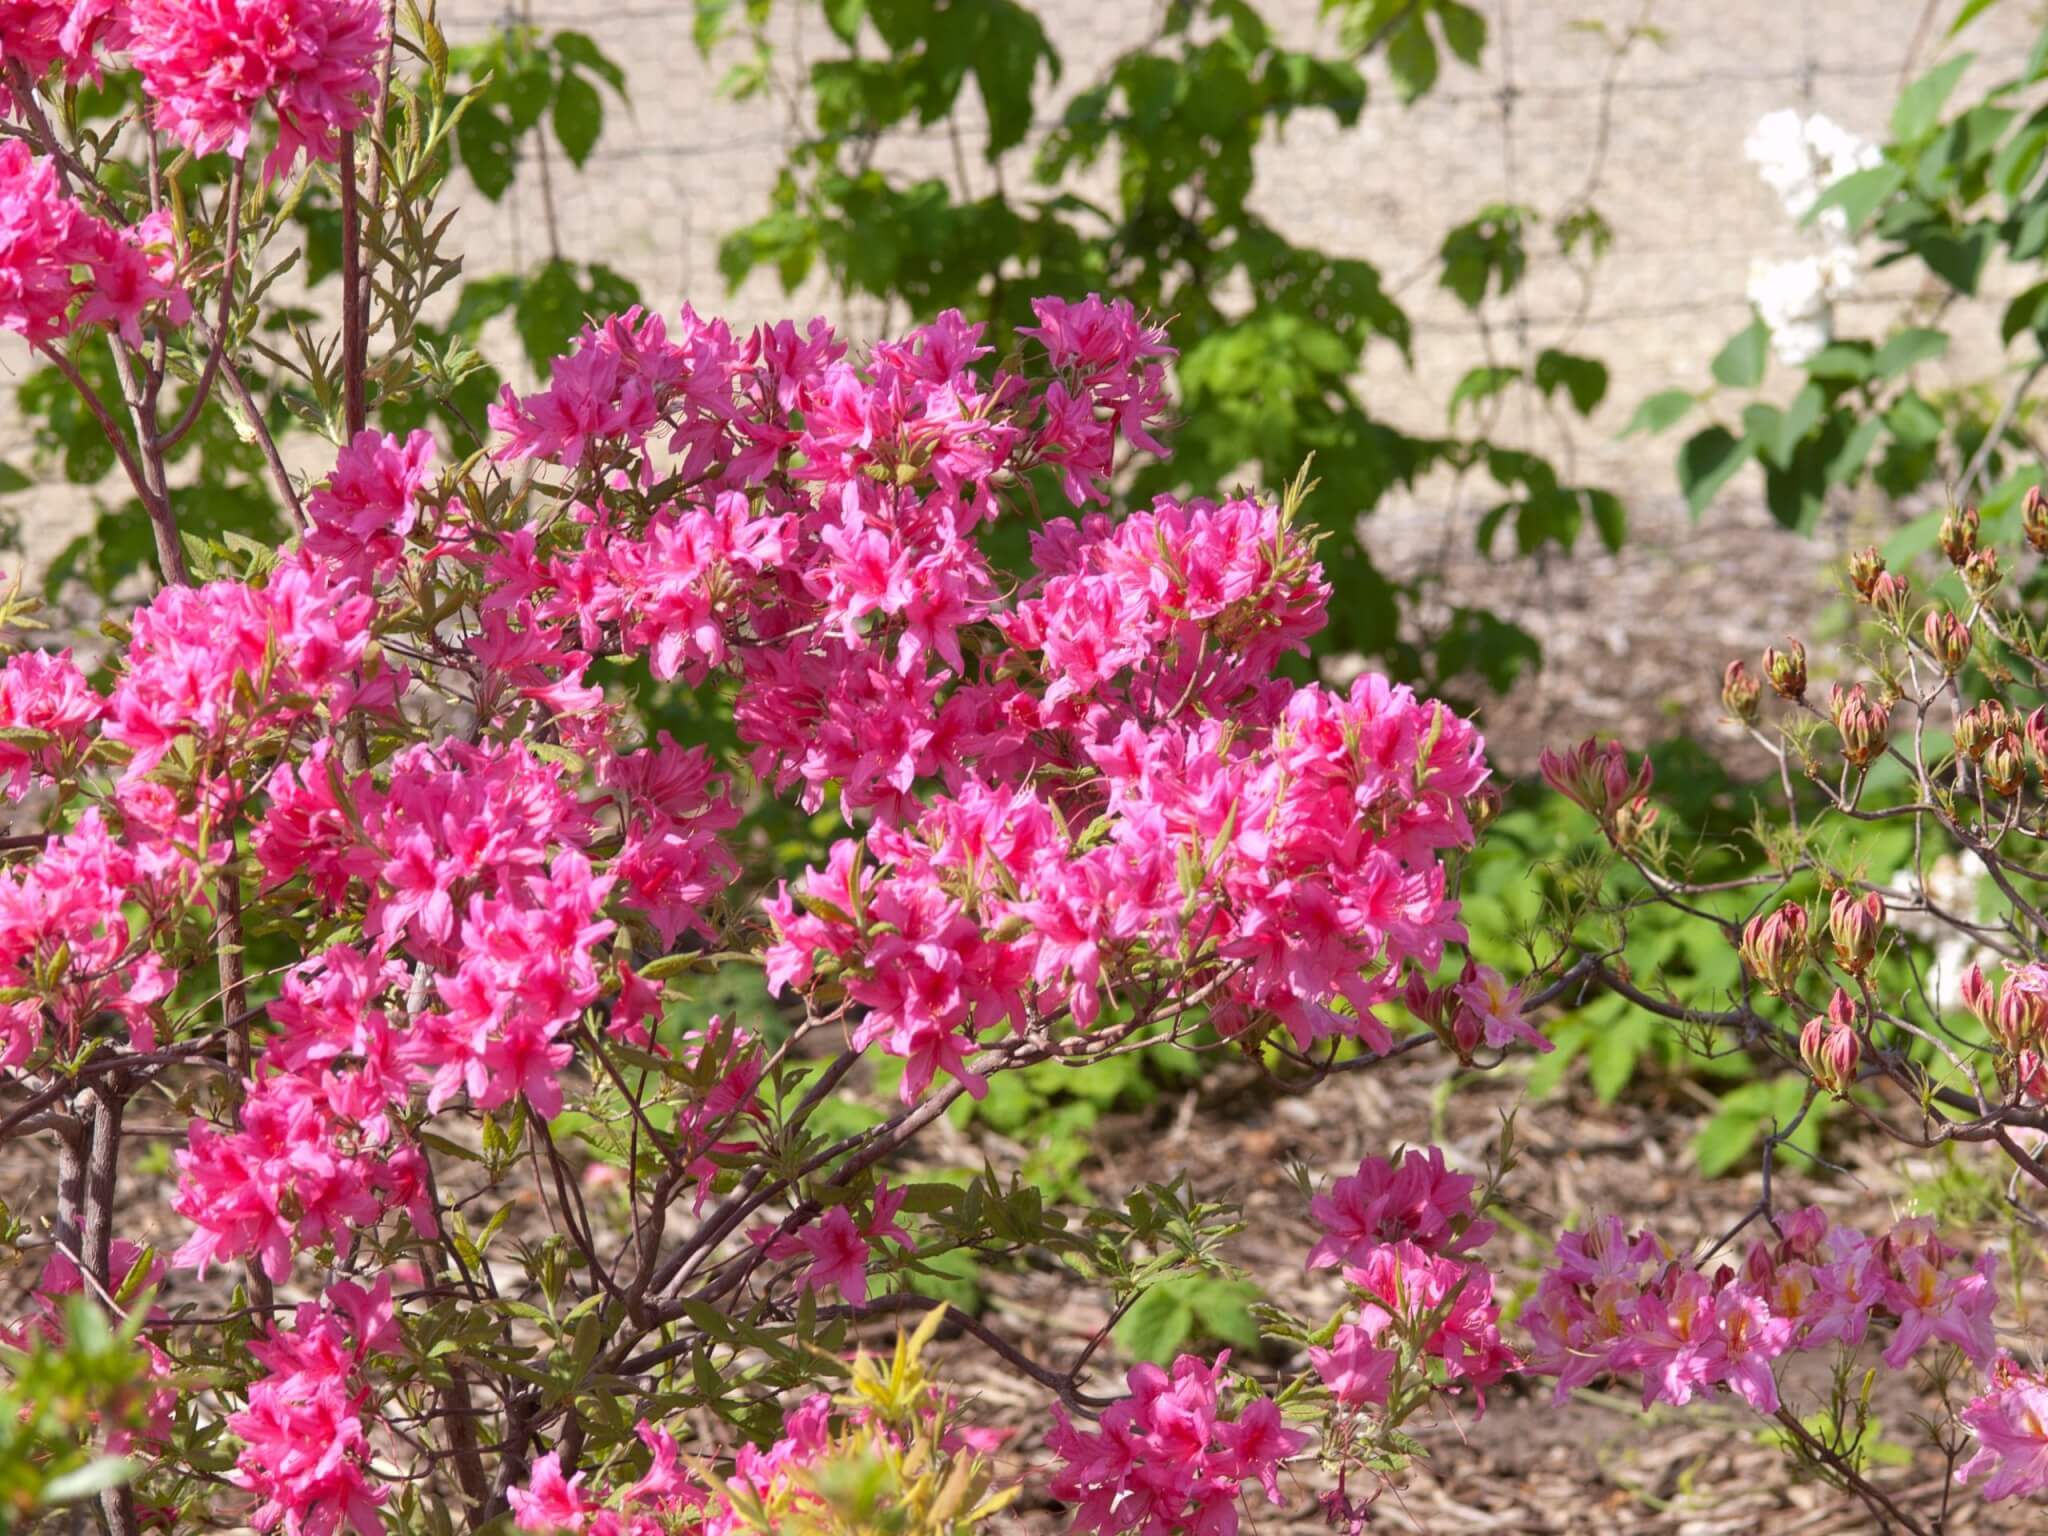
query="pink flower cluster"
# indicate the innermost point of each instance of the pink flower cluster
(225, 664)
(41, 34)
(44, 693)
(2010, 1421)
(306, 1449)
(68, 951)
(1403, 1236)
(469, 867)
(1170, 1456)
(1291, 865)
(828, 551)
(53, 252)
(209, 64)
(360, 517)
(314, 1155)
(1099, 820)
(1616, 1304)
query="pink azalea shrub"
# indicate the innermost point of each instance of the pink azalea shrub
(1901, 995)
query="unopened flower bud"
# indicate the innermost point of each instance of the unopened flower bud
(2037, 739)
(1948, 640)
(1959, 534)
(2031, 1074)
(1978, 996)
(1774, 946)
(1863, 724)
(1758, 1266)
(2034, 519)
(1891, 596)
(1483, 807)
(1855, 923)
(1978, 727)
(1428, 1004)
(1596, 776)
(2017, 1024)
(1740, 693)
(1633, 822)
(2005, 765)
(1865, 566)
(1830, 1047)
(1785, 671)
(1981, 575)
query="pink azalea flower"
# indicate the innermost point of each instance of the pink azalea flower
(208, 64)
(2010, 1421)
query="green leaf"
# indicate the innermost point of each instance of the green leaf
(548, 314)
(1800, 418)
(1795, 494)
(1616, 1048)
(1223, 1309)
(1859, 194)
(1479, 384)
(580, 49)
(1848, 460)
(2028, 312)
(579, 117)
(1464, 30)
(1761, 425)
(12, 479)
(844, 18)
(526, 88)
(1707, 462)
(1842, 360)
(1486, 250)
(1913, 420)
(1610, 517)
(2018, 161)
(1971, 10)
(1919, 105)
(1958, 259)
(1723, 1140)
(1740, 364)
(1905, 349)
(1157, 1324)
(1480, 644)
(1006, 57)
(1583, 378)
(1411, 58)
(488, 148)
(1660, 412)
(482, 300)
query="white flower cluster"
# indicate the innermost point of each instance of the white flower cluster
(1799, 158)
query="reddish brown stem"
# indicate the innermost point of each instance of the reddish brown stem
(354, 343)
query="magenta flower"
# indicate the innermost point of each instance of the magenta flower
(839, 1255)
(2010, 1421)
(209, 64)
(1356, 1372)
